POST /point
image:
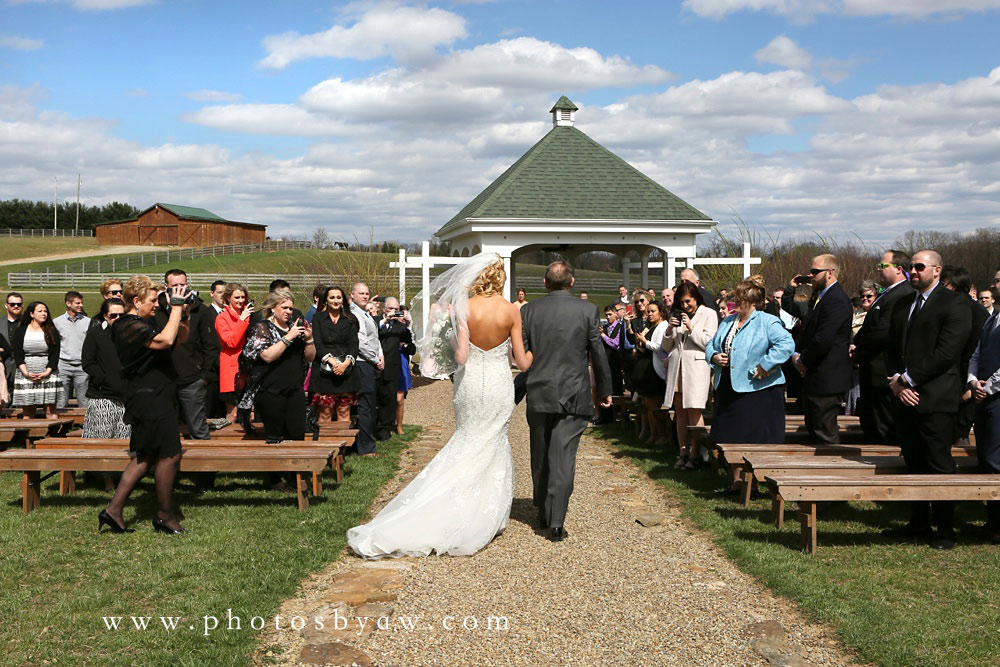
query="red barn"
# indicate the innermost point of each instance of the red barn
(173, 225)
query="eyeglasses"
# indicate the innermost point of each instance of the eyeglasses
(816, 272)
(886, 265)
(113, 316)
(920, 267)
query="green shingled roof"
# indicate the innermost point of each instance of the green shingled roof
(568, 175)
(190, 212)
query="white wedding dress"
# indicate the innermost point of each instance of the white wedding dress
(462, 499)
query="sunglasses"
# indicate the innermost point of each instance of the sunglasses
(816, 272)
(114, 292)
(886, 265)
(114, 316)
(919, 267)
(867, 296)
(15, 305)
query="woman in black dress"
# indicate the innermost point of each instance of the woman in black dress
(280, 350)
(150, 398)
(105, 387)
(333, 382)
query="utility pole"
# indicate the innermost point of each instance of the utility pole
(78, 181)
(55, 206)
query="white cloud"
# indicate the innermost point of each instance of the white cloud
(784, 52)
(806, 9)
(138, 92)
(213, 96)
(406, 33)
(20, 43)
(285, 119)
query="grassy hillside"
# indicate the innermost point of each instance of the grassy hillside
(14, 247)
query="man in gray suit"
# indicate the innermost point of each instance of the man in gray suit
(563, 334)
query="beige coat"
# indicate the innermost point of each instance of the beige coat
(686, 357)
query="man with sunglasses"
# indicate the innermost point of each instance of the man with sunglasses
(821, 351)
(871, 349)
(928, 332)
(15, 306)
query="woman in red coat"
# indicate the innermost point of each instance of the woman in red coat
(231, 325)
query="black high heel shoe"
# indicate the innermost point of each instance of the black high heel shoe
(160, 526)
(105, 519)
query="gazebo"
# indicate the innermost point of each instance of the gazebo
(568, 194)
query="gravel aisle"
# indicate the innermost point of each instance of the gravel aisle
(613, 590)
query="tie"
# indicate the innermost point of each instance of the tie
(909, 321)
(916, 308)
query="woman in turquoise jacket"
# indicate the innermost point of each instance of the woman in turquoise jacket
(746, 354)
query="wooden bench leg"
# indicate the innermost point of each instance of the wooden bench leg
(317, 484)
(778, 509)
(340, 468)
(747, 486)
(31, 491)
(735, 474)
(67, 482)
(301, 489)
(807, 517)
(713, 455)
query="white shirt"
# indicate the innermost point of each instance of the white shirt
(368, 346)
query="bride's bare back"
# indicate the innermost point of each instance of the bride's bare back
(492, 320)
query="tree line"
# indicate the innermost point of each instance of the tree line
(23, 214)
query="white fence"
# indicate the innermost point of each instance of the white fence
(46, 232)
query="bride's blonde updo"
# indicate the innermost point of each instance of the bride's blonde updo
(490, 281)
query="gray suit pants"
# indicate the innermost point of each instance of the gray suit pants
(76, 380)
(554, 441)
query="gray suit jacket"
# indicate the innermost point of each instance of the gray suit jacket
(562, 332)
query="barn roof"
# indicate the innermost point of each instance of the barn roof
(183, 213)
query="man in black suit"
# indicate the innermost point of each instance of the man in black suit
(393, 332)
(957, 279)
(928, 333)
(822, 357)
(871, 347)
(563, 333)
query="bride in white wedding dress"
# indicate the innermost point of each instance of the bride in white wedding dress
(462, 499)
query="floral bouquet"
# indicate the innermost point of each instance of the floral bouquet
(437, 359)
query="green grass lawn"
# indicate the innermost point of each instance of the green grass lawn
(14, 247)
(247, 549)
(893, 604)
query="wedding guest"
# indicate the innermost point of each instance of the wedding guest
(974, 292)
(822, 350)
(692, 276)
(747, 353)
(72, 326)
(957, 279)
(652, 293)
(371, 363)
(280, 349)
(988, 298)
(521, 298)
(927, 334)
(688, 376)
(274, 286)
(106, 386)
(6, 353)
(14, 305)
(626, 345)
(983, 380)
(334, 381)
(150, 400)
(373, 309)
(318, 295)
(36, 352)
(611, 336)
(218, 294)
(866, 297)
(650, 371)
(405, 376)
(871, 349)
(584, 296)
(109, 289)
(393, 333)
(667, 298)
(215, 407)
(623, 295)
(231, 325)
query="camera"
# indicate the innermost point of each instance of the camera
(802, 280)
(191, 296)
(678, 314)
(251, 304)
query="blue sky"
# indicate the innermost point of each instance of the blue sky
(868, 117)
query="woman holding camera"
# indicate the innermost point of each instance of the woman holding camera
(650, 372)
(747, 353)
(232, 325)
(688, 377)
(280, 350)
(150, 394)
(333, 382)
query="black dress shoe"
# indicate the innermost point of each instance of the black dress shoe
(160, 526)
(105, 519)
(557, 534)
(909, 531)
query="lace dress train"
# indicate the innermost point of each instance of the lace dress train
(462, 499)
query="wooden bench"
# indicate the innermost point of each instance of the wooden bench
(735, 454)
(76, 414)
(809, 490)
(67, 483)
(243, 459)
(33, 429)
(756, 467)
